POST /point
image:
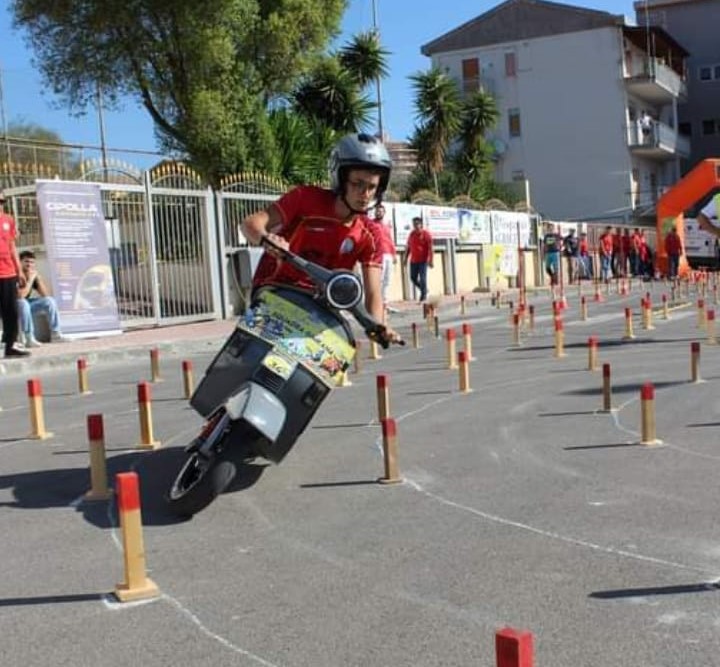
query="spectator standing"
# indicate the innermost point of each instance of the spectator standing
(571, 246)
(384, 239)
(586, 264)
(673, 249)
(11, 278)
(552, 245)
(635, 252)
(420, 255)
(605, 247)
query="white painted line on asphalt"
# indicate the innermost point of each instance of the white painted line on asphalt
(553, 535)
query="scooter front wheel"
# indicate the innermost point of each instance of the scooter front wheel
(199, 482)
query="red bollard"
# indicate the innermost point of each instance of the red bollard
(695, 362)
(531, 317)
(188, 381)
(82, 377)
(144, 397)
(559, 338)
(382, 388)
(467, 341)
(647, 415)
(513, 648)
(98, 464)
(415, 336)
(592, 353)
(606, 391)
(464, 372)
(155, 365)
(389, 435)
(450, 338)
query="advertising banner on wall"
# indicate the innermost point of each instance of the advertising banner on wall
(475, 227)
(76, 240)
(507, 224)
(404, 213)
(441, 221)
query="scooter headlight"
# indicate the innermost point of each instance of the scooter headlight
(344, 291)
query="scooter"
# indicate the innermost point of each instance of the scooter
(270, 377)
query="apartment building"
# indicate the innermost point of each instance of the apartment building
(695, 24)
(588, 105)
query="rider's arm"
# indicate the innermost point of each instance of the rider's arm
(373, 291)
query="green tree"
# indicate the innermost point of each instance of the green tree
(472, 157)
(439, 112)
(31, 145)
(205, 71)
(365, 58)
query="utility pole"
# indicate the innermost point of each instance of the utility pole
(378, 89)
(3, 121)
(101, 122)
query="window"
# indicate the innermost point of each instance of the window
(708, 127)
(685, 129)
(705, 74)
(470, 75)
(709, 72)
(514, 122)
(510, 64)
(518, 175)
(716, 72)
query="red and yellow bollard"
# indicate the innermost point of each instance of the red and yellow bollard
(592, 353)
(37, 413)
(98, 464)
(436, 322)
(606, 389)
(531, 317)
(629, 335)
(83, 389)
(701, 319)
(666, 311)
(374, 351)
(136, 585)
(464, 372)
(389, 441)
(647, 415)
(516, 329)
(463, 309)
(695, 362)
(382, 389)
(451, 348)
(467, 341)
(144, 397)
(583, 309)
(710, 326)
(188, 380)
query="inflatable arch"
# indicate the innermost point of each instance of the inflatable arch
(691, 188)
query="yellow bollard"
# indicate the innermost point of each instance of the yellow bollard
(188, 381)
(155, 365)
(531, 317)
(98, 464)
(701, 320)
(37, 414)
(666, 311)
(516, 330)
(462, 305)
(389, 436)
(374, 351)
(467, 341)
(583, 309)
(436, 320)
(145, 411)
(450, 339)
(710, 326)
(415, 336)
(559, 338)
(136, 585)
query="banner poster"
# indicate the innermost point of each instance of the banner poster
(492, 263)
(475, 227)
(505, 227)
(441, 221)
(404, 213)
(76, 240)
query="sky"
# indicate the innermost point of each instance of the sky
(405, 25)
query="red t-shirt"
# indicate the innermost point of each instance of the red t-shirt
(420, 246)
(383, 238)
(313, 230)
(673, 246)
(606, 244)
(8, 234)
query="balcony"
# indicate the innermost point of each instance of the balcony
(470, 85)
(660, 142)
(656, 83)
(644, 201)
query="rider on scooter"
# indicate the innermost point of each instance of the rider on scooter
(329, 227)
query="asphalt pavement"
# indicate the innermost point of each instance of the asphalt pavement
(523, 504)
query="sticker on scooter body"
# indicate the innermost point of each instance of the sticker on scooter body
(279, 365)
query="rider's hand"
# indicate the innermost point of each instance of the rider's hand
(278, 241)
(386, 335)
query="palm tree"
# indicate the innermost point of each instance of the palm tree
(331, 96)
(365, 58)
(479, 114)
(438, 110)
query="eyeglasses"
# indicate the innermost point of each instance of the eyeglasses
(364, 186)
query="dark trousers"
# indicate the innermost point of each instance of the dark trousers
(418, 277)
(8, 308)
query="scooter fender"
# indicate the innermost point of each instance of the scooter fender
(259, 407)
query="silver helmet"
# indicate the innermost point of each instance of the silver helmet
(359, 151)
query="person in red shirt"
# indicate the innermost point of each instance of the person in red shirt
(605, 246)
(674, 249)
(329, 227)
(635, 252)
(386, 245)
(420, 255)
(11, 277)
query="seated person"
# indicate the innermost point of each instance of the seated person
(29, 305)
